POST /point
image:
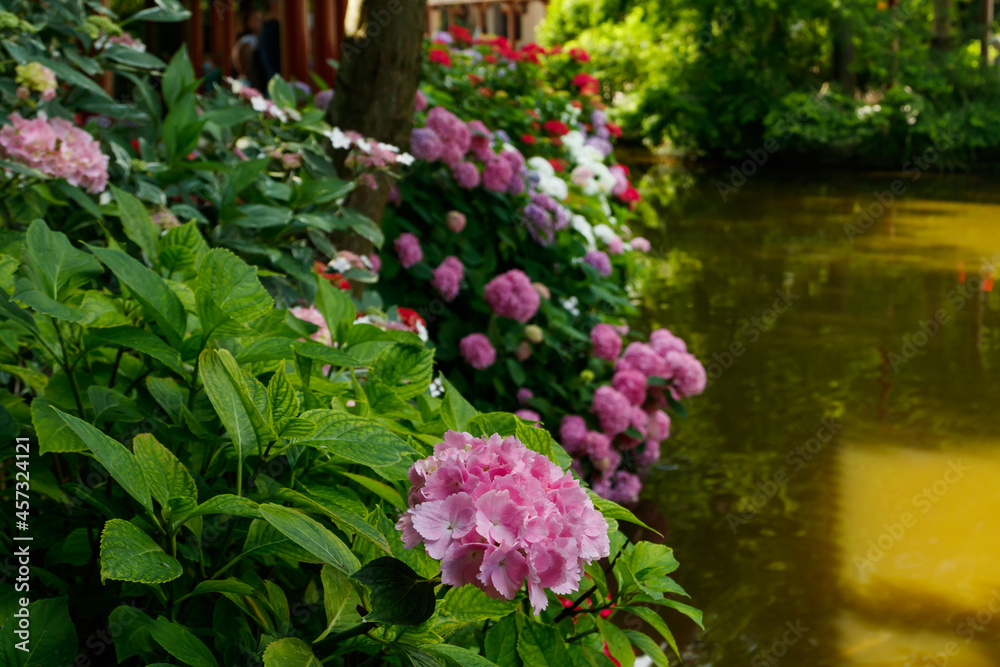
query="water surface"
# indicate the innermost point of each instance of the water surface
(834, 496)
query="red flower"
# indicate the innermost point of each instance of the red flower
(630, 196)
(556, 164)
(580, 55)
(556, 127)
(474, 79)
(485, 92)
(616, 130)
(607, 652)
(440, 57)
(587, 84)
(556, 141)
(335, 279)
(528, 139)
(490, 58)
(460, 34)
(577, 103)
(410, 317)
(532, 113)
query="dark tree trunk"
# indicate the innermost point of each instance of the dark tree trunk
(376, 91)
(843, 54)
(941, 40)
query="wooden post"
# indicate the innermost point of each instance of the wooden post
(324, 37)
(511, 23)
(987, 20)
(196, 37)
(294, 40)
(223, 33)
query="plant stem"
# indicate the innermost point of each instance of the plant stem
(114, 366)
(69, 370)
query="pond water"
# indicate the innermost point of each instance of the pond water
(834, 496)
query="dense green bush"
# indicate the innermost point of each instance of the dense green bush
(716, 80)
(204, 482)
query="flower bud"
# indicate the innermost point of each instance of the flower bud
(587, 375)
(523, 351)
(533, 333)
(455, 221)
(542, 290)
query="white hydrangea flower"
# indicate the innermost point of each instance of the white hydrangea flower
(581, 225)
(572, 305)
(436, 388)
(541, 166)
(338, 138)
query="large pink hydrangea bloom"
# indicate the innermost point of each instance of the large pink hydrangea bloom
(512, 295)
(499, 516)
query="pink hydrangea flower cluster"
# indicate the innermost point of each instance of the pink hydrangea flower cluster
(446, 138)
(448, 277)
(408, 248)
(57, 148)
(630, 413)
(478, 351)
(512, 295)
(499, 516)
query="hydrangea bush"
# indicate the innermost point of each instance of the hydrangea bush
(511, 239)
(215, 479)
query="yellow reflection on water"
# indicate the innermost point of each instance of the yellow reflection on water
(919, 537)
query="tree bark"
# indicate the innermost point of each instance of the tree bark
(843, 54)
(376, 92)
(942, 25)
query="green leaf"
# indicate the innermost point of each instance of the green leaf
(53, 639)
(140, 340)
(399, 596)
(234, 586)
(336, 307)
(233, 286)
(500, 644)
(541, 645)
(345, 519)
(179, 78)
(406, 369)
(383, 491)
(51, 265)
(263, 539)
(469, 604)
(281, 396)
(111, 405)
(311, 536)
(488, 423)
(181, 643)
(645, 644)
(618, 644)
(137, 222)
(612, 510)
(656, 622)
(290, 652)
(460, 656)
(325, 354)
(54, 434)
(540, 440)
(134, 638)
(455, 410)
(34, 378)
(340, 601)
(166, 475)
(112, 454)
(158, 301)
(128, 554)
(355, 439)
(228, 403)
(227, 504)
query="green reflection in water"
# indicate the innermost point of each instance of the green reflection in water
(767, 514)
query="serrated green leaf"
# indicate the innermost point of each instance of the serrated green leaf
(290, 652)
(140, 340)
(54, 434)
(354, 439)
(340, 601)
(406, 369)
(181, 643)
(455, 410)
(311, 536)
(500, 644)
(136, 221)
(112, 454)
(618, 644)
(167, 477)
(541, 645)
(652, 650)
(657, 623)
(53, 639)
(128, 554)
(458, 655)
